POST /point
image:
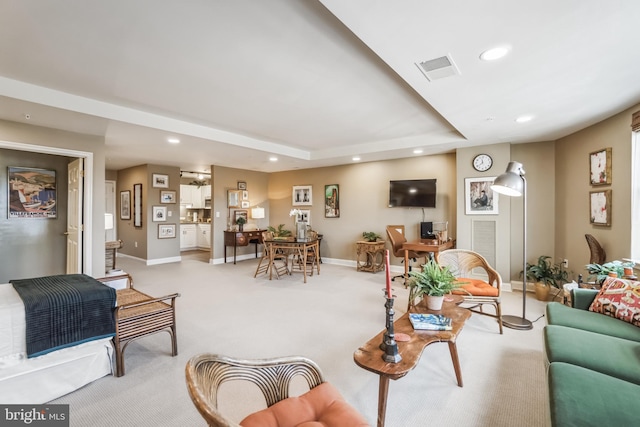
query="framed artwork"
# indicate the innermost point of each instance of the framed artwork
(137, 205)
(160, 181)
(32, 193)
(600, 207)
(304, 216)
(125, 204)
(331, 201)
(167, 197)
(242, 185)
(245, 195)
(159, 213)
(240, 214)
(166, 231)
(480, 199)
(233, 198)
(244, 204)
(600, 167)
(302, 195)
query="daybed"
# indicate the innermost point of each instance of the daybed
(593, 356)
(67, 364)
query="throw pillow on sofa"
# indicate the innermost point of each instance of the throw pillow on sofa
(619, 298)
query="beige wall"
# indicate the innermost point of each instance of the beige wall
(572, 191)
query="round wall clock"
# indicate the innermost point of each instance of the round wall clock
(482, 162)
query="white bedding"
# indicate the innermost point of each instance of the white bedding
(42, 379)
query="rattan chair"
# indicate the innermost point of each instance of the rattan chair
(397, 238)
(476, 292)
(205, 374)
(272, 260)
(598, 255)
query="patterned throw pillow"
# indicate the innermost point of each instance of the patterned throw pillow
(619, 298)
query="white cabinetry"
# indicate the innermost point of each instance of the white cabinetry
(188, 236)
(204, 236)
(186, 194)
(194, 195)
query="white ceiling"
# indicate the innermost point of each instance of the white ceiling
(312, 82)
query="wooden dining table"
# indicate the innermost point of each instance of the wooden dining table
(299, 250)
(423, 245)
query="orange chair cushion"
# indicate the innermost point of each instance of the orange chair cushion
(475, 287)
(322, 406)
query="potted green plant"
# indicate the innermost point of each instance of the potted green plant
(434, 282)
(240, 221)
(545, 274)
(370, 236)
(599, 272)
(280, 231)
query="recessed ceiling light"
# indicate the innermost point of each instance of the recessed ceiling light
(417, 151)
(173, 140)
(355, 158)
(273, 159)
(495, 53)
(524, 119)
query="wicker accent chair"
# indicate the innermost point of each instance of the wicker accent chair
(272, 260)
(598, 255)
(397, 238)
(475, 292)
(205, 373)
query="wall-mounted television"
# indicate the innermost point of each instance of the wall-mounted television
(417, 193)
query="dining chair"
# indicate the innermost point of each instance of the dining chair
(271, 259)
(475, 291)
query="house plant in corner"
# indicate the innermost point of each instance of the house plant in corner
(544, 275)
(432, 283)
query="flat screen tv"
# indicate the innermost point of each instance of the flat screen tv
(417, 193)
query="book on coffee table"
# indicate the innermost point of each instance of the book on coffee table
(430, 322)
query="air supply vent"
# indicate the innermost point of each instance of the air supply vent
(438, 68)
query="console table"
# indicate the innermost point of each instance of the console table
(373, 253)
(241, 238)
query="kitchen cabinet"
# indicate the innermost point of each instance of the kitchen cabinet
(204, 235)
(188, 236)
(186, 194)
(194, 195)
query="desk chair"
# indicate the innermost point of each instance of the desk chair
(397, 238)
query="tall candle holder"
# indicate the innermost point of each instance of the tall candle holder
(389, 344)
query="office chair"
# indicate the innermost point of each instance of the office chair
(396, 237)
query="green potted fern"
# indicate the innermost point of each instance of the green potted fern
(545, 274)
(370, 236)
(432, 283)
(280, 232)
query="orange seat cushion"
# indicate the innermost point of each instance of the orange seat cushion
(322, 406)
(476, 287)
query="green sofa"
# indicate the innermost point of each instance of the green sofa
(593, 365)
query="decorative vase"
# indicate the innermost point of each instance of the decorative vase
(542, 291)
(434, 302)
(301, 230)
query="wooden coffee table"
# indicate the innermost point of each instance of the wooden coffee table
(369, 356)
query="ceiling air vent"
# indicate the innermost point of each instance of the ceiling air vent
(438, 68)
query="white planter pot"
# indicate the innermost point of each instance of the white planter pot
(434, 303)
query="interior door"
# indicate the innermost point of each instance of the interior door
(74, 216)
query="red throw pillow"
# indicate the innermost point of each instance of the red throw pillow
(619, 298)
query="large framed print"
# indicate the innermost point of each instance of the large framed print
(600, 207)
(600, 167)
(137, 205)
(332, 201)
(125, 204)
(32, 193)
(480, 199)
(302, 195)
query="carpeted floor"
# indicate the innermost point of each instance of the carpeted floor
(223, 309)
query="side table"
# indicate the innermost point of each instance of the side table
(370, 256)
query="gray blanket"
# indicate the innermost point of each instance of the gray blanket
(65, 310)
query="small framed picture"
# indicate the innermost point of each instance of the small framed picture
(125, 204)
(600, 167)
(240, 214)
(245, 204)
(479, 197)
(302, 195)
(167, 197)
(600, 207)
(332, 201)
(166, 231)
(233, 198)
(160, 181)
(304, 216)
(159, 213)
(245, 195)
(242, 185)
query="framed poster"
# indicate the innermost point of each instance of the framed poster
(166, 231)
(233, 198)
(125, 204)
(331, 201)
(137, 205)
(301, 195)
(480, 199)
(167, 197)
(159, 213)
(160, 181)
(600, 207)
(600, 167)
(32, 193)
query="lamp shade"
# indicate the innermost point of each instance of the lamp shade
(257, 213)
(108, 221)
(510, 183)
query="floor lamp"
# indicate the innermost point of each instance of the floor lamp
(512, 183)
